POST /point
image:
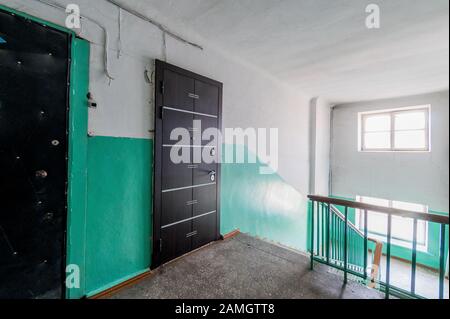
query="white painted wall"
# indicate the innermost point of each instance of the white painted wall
(415, 177)
(252, 98)
(320, 136)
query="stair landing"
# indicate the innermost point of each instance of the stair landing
(248, 268)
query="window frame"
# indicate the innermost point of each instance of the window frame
(392, 114)
(421, 245)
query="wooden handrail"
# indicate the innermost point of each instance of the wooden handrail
(376, 263)
(382, 209)
(341, 216)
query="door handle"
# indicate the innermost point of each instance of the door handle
(194, 96)
(191, 234)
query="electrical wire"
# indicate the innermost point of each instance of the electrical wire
(160, 26)
(164, 46)
(119, 45)
(155, 23)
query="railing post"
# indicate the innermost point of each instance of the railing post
(333, 237)
(351, 249)
(322, 246)
(388, 256)
(414, 258)
(345, 246)
(341, 241)
(328, 234)
(338, 240)
(366, 238)
(318, 228)
(312, 235)
(442, 263)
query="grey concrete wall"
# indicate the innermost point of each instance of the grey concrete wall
(416, 177)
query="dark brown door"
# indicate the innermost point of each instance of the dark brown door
(187, 208)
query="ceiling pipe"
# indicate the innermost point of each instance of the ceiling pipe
(160, 26)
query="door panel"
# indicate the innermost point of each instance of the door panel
(175, 175)
(177, 88)
(206, 123)
(34, 68)
(173, 120)
(186, 213)
(208, 98)
(175, 241)
(206, 200)
(205, 228)
(176, 206)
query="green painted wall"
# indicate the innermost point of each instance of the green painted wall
(262, 205)
(118, 221)
(78, 144)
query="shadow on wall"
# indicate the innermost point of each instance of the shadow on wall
(261, 205)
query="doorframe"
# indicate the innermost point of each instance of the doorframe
(160, 66)
(76, 164)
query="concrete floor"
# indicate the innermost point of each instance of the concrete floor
(427, 281)
(244, 267)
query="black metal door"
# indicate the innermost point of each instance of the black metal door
(34, 69)
(187, 209)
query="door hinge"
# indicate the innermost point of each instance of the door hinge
(162, 87)
(160, 245)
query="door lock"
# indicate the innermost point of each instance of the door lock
(212, 176)
(41, 174)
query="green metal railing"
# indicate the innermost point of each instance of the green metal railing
(336, 242)
(330, 236)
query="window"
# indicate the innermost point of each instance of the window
(399, 130)
(402, 228)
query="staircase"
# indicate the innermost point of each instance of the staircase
(329, 246)
(337, 242)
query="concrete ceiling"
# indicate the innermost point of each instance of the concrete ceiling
(322, 47)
